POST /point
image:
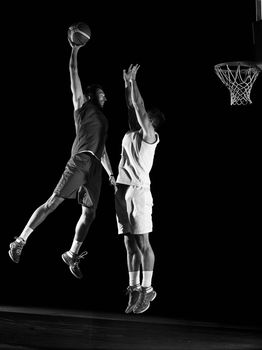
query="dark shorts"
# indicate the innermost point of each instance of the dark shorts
(81, 179)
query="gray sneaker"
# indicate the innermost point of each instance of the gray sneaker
(73, 262)
(144, 300)
(15, 250)
(133, 292)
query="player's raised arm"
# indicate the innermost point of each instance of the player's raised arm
(137, 96)
(132, 120)
(76, 87)
(141, 113)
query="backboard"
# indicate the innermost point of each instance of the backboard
(257, 33)
(239, 76)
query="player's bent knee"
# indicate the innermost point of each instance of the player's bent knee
(53, 202)
(89, 213)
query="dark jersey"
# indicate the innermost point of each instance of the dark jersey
(91, 130)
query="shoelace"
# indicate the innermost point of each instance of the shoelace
(81, 256)
(130, 289)
(18, 246)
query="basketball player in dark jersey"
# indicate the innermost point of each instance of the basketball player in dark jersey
(82, 176)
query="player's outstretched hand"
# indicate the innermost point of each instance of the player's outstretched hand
(134, 70)
(73, 44)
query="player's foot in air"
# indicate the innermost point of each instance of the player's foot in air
(15, 250)
(73, 260)
(146, 295)
(133, 292)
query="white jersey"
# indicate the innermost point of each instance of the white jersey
(136, 160)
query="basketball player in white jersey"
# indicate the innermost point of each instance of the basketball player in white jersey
(133, 199)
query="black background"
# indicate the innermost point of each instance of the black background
(205, 179)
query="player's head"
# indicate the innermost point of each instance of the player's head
(95, 94)
(156, 116)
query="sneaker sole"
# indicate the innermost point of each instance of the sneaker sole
(130, 309)
(79, 277)
(9, 252)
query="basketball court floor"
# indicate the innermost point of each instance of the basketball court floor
(23, 328)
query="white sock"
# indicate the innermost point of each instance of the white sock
(26, 233)
(75, 247)
(147, 279)
(134, 278)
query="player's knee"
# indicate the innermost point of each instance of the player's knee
(52, 203)
(130, 243)
(143, 243)
(88, 214)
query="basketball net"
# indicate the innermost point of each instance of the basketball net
(239, 78)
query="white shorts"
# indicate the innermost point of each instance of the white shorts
(133, 209)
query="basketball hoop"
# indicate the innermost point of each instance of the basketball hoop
(239, 78)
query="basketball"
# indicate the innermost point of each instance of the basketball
(79, 33)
